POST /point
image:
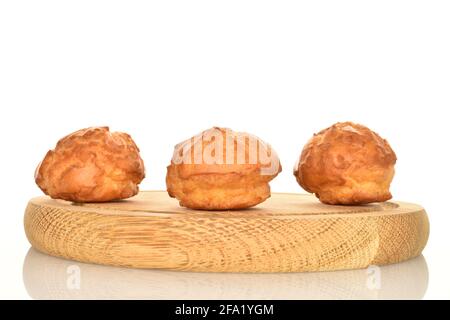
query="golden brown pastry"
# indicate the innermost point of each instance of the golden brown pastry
(220, 169)
(347, 164)
(92, 165)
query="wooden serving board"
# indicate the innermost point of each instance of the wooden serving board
(286, 233)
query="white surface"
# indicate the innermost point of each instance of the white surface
(165, 70)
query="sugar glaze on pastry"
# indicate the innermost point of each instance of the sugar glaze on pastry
(220, 169)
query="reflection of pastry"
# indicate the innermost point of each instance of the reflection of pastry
(92, 165)
(347, 164)
(220, 169)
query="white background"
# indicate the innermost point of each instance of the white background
(282, 70)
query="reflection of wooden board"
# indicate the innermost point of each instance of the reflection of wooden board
(287, 233)
(50, 278)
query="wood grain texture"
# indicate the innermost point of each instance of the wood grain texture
(287, 233)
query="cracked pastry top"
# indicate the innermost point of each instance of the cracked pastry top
(347, 164)
(92, 165)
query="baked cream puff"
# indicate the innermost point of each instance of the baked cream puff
(347, 164)
(92, 165)
(220, 169)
